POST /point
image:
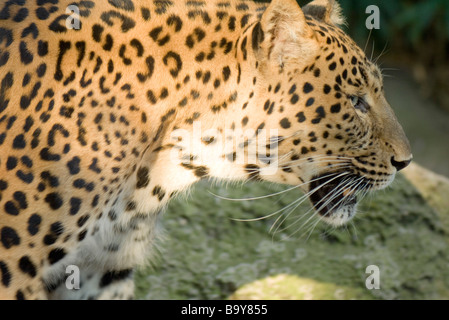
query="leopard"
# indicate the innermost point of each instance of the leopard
(111, 108)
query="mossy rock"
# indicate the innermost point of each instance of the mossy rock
(208, 253)
(290, 287)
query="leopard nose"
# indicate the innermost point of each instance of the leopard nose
(399, 165)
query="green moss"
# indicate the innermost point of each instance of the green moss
(207, 255)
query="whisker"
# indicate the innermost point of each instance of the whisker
(297, 202)
(336, 165)
(391, 69)
(367, 40)
(343, 184)
(354, 228)
(265, 217)
(285, 218)
(306, 195)
(312, 227)
(316, 161)
(381, 53)
(348, 183)
(273, 194)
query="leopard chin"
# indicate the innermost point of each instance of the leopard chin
(334, 196)
(341, 216)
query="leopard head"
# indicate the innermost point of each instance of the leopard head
(338, 135)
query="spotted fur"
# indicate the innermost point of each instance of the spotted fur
(89, 119)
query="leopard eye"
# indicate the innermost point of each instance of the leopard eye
(359, 103)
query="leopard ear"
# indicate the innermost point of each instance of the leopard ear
(328, 11)
(287, 35)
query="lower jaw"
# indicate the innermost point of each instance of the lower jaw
(340, 216)
(343, 205)
(334, 201)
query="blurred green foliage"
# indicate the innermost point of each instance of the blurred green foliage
(410, 24)
(417, 18)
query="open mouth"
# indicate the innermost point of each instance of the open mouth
(334, 195)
